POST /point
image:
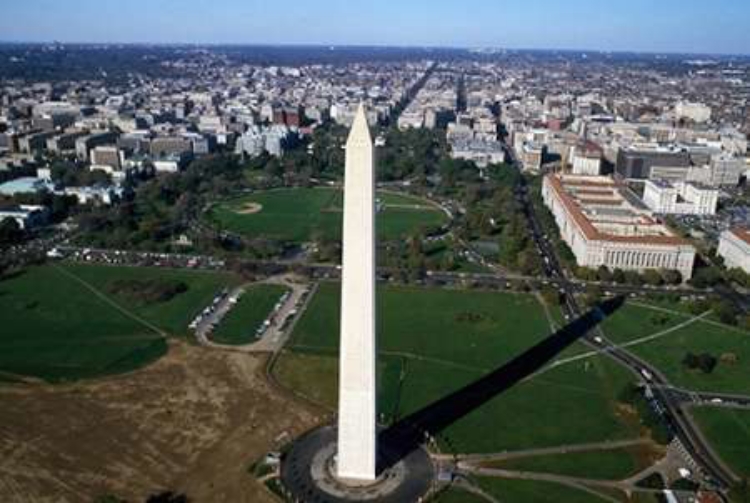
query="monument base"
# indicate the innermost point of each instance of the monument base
(308, 472)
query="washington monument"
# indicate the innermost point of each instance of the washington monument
(357, 431)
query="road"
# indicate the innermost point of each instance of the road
(668, 404)
(672, 403)
(281, 320)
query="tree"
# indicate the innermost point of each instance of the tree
(586, 273)
(593, 295)
(274, 168)
(672, 277)
(739, 276)
(604, 274)
(633, 278)
(416, 259)
(618, 276)
(652, 277)
(529, 262)
(699, 307)
(706, 277)
(511, 244)
(705, 362)
(552, 296)
(10, 233)
(449, 262)
(726, 311)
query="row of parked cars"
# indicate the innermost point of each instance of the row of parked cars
(272, 317)
(210, 310)
(135, 258)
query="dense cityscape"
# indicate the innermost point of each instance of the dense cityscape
(561, 251)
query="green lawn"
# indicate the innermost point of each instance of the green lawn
(633, 322)
(532, 491)
(434, 341)
(240, 324)
(615, 464)
(454, 495)
(729, 432)
(56, 328)
(173, 316)
(301, 213)
(668, 352)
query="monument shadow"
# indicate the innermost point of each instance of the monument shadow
(409, 433)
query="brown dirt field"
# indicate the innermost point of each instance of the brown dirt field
(250, 209)
(192, 423)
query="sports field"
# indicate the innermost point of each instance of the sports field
(433, 341)
(240, 324)
(673, 334)
(300, 214)
(64, 322)
(729, 432)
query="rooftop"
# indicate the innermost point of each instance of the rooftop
(23, 185)
(743, 234)
(611, 217)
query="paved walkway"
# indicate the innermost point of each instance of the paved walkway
(546, 451)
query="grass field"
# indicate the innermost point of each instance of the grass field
(432, 342)
(614, 464)
(240, 324)
(454, 495)
(60, 322)
(301, 213)
(729, 432)
(667, 353)
(523, 491)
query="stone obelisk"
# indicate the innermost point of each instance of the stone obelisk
(357, 431)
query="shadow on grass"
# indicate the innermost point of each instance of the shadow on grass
(409, 433)
(13, 274)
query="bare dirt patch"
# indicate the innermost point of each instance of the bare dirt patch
(249, 209)
(192, 423)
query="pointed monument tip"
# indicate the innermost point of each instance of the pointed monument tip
(360, 129)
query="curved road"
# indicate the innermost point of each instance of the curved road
(671, 409)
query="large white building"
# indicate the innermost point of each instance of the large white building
(480, 151)
(697, 112)
(734, 248)
(680, 198)
(106, 155)
(586, 159)
(606, 225)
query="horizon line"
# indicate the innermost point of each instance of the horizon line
(650, 52)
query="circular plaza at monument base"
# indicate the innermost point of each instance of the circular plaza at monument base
(308, 474)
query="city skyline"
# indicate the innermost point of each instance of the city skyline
(241, 268)
(639, 26)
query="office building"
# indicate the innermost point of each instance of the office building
(604, 224)
(680, 198)
(734, 248)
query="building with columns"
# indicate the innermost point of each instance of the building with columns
(605, 224)
(734, 248)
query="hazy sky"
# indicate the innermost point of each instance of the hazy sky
(704, 26)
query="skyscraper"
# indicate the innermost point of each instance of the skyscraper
(357, 430)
